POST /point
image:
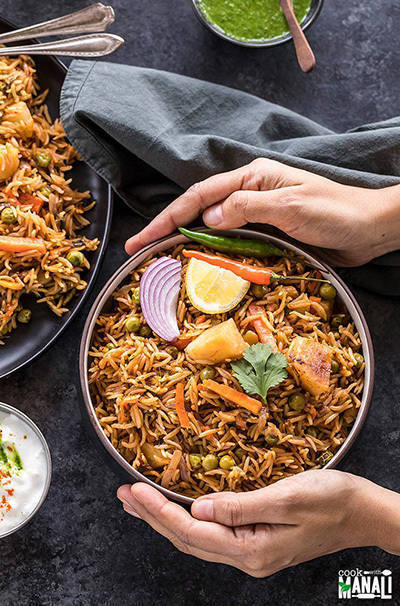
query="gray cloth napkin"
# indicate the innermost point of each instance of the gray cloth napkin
(152, 134)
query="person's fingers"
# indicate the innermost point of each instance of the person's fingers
(124, 493)
(208, 556)
(131, 511)
(271, 505)
(188, 206)
(261, 174)
(243, 207)
(244, 547)
(177, 525)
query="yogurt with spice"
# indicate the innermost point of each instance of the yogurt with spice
(24, 470)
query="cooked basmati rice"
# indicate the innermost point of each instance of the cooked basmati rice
(129, 372)
(26, 131)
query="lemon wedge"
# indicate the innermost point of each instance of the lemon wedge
(213, 290)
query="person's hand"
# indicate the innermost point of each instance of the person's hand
(260, 532)
(352, 224)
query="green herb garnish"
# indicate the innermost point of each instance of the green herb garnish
(3, 454)
(9, 456)
(260, 369)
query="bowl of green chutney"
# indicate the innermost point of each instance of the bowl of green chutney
(254, 23)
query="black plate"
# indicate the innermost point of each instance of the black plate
(29, 341)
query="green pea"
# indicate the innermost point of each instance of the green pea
(136, 295)
(173, 351)
(24, 316)
(325, 457)
(327, 291)
(9, 215)
(76, 258)
(132, 324)
(43, 277)
(195, 460)
(4, 330)
(297, 402)
(145, 331)
(207, 373)
(209, 462)
(337, 321)
(271, 438)
(335, 366)
(259, 290)
(45, 191)
(359, 359)
(240, 452)
(312, 431)
(227, 462)
(42, 159)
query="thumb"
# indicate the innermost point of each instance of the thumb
(243, 207)
(264, 505)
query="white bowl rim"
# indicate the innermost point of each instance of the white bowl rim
(7, 408)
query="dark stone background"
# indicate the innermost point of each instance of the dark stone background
(82, 549)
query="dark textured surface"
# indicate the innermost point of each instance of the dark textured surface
(81, 548)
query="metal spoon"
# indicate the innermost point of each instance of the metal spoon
(305, 55)
(94, 18)
(93, 45)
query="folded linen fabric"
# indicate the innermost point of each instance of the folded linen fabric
(152, 134)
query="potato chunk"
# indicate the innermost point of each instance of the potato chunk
(217, 344)
(154, 456)
(17, 121)
(9, 161)
(312, 362)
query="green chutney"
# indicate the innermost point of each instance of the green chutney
(251, 20)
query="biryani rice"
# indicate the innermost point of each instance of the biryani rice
(26, 131)
(138, 375)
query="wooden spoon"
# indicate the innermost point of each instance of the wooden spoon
(304, 53)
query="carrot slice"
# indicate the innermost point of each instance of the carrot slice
(35, 202)
(124, 412)
(16, 244)
(233, 395)
(180, 405)
(315, 299)
(260, 324)
(182, 343)
(12, 198)
(251, 273)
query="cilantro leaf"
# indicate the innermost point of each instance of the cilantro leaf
(260, 369)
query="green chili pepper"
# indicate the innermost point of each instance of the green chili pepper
(247, 248)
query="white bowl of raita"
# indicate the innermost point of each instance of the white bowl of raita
(25, 469)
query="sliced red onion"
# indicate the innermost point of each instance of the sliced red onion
(159, 291)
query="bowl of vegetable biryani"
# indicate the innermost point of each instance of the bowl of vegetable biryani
(224, 361)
